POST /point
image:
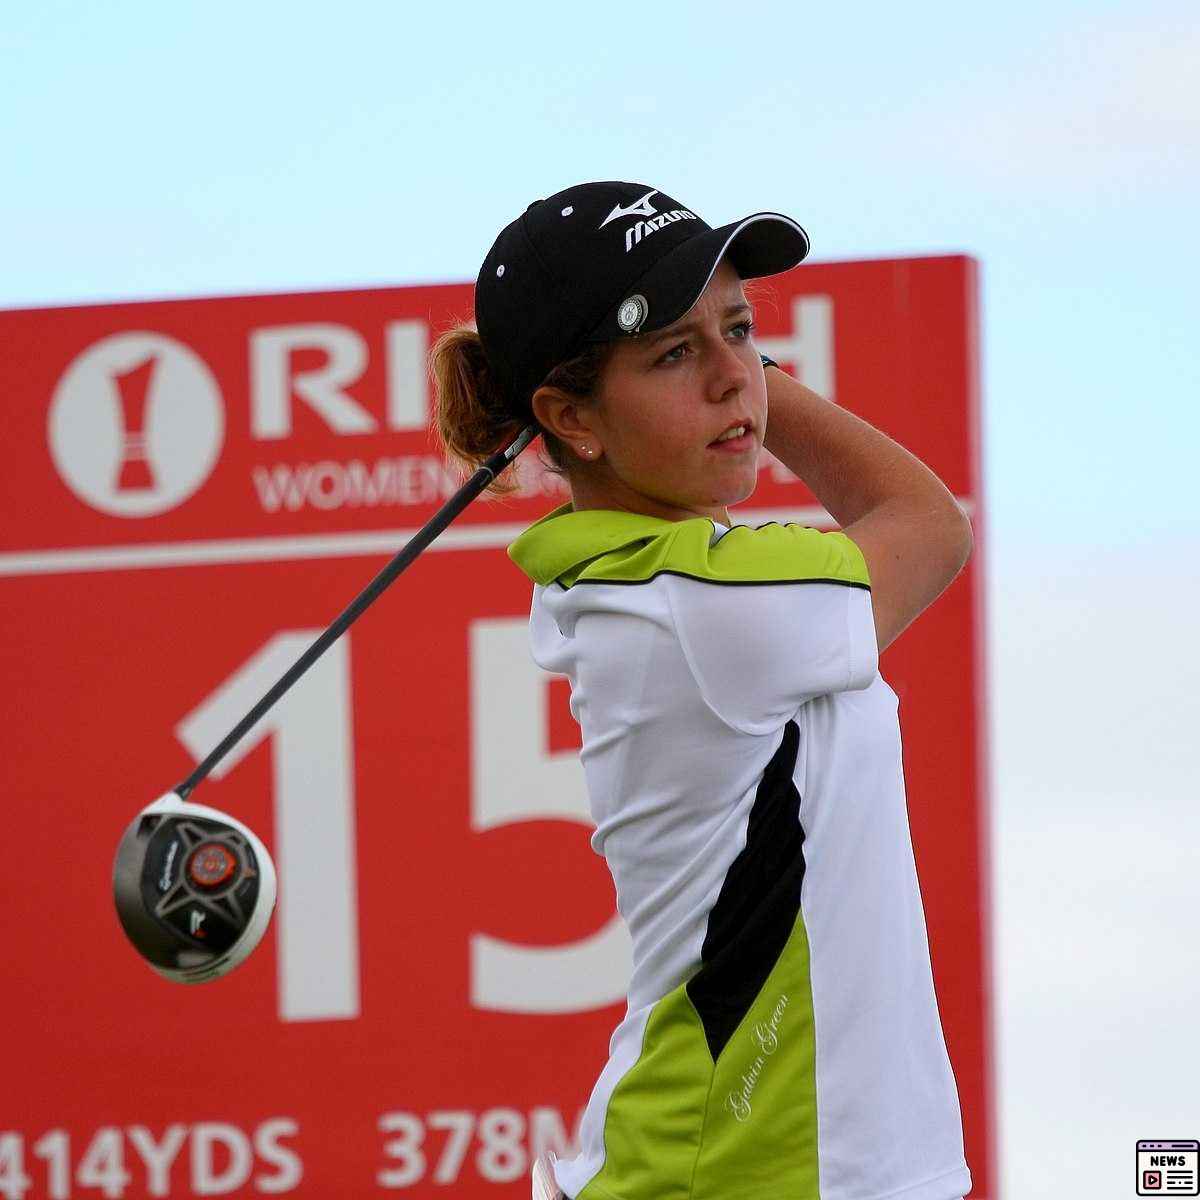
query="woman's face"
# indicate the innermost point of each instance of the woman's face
(663, 399)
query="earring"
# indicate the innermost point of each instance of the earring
(587, 450)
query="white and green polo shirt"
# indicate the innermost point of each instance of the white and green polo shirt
(743, 763)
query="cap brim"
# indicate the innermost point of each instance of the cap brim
(762, 244)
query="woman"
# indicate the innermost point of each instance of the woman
(741, 751)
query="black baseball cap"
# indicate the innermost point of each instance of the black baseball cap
(600, 261)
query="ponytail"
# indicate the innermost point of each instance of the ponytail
(472, 418)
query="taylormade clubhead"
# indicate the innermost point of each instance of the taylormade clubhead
(194, 888)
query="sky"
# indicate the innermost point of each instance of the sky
(152, 151)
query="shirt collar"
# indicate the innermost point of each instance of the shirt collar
(564, 538)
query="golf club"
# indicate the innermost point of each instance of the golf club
(195, 888)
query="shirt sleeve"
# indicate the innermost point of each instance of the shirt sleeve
(770, 618)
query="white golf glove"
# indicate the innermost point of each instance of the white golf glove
(545, 1187)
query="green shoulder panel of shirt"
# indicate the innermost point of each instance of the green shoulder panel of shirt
(602, 545)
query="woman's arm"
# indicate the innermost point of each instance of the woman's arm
(913, 535)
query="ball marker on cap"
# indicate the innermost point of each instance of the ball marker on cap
(633, 313)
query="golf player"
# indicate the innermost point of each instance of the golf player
(742, 753)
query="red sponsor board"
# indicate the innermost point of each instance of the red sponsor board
(193, 491)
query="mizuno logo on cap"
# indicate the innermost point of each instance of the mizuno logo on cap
(642, 208)
(641, 229)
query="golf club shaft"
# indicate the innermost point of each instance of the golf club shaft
(482, 477)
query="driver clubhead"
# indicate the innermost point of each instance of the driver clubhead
(194, 889)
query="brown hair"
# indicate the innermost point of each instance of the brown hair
(472, 420)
